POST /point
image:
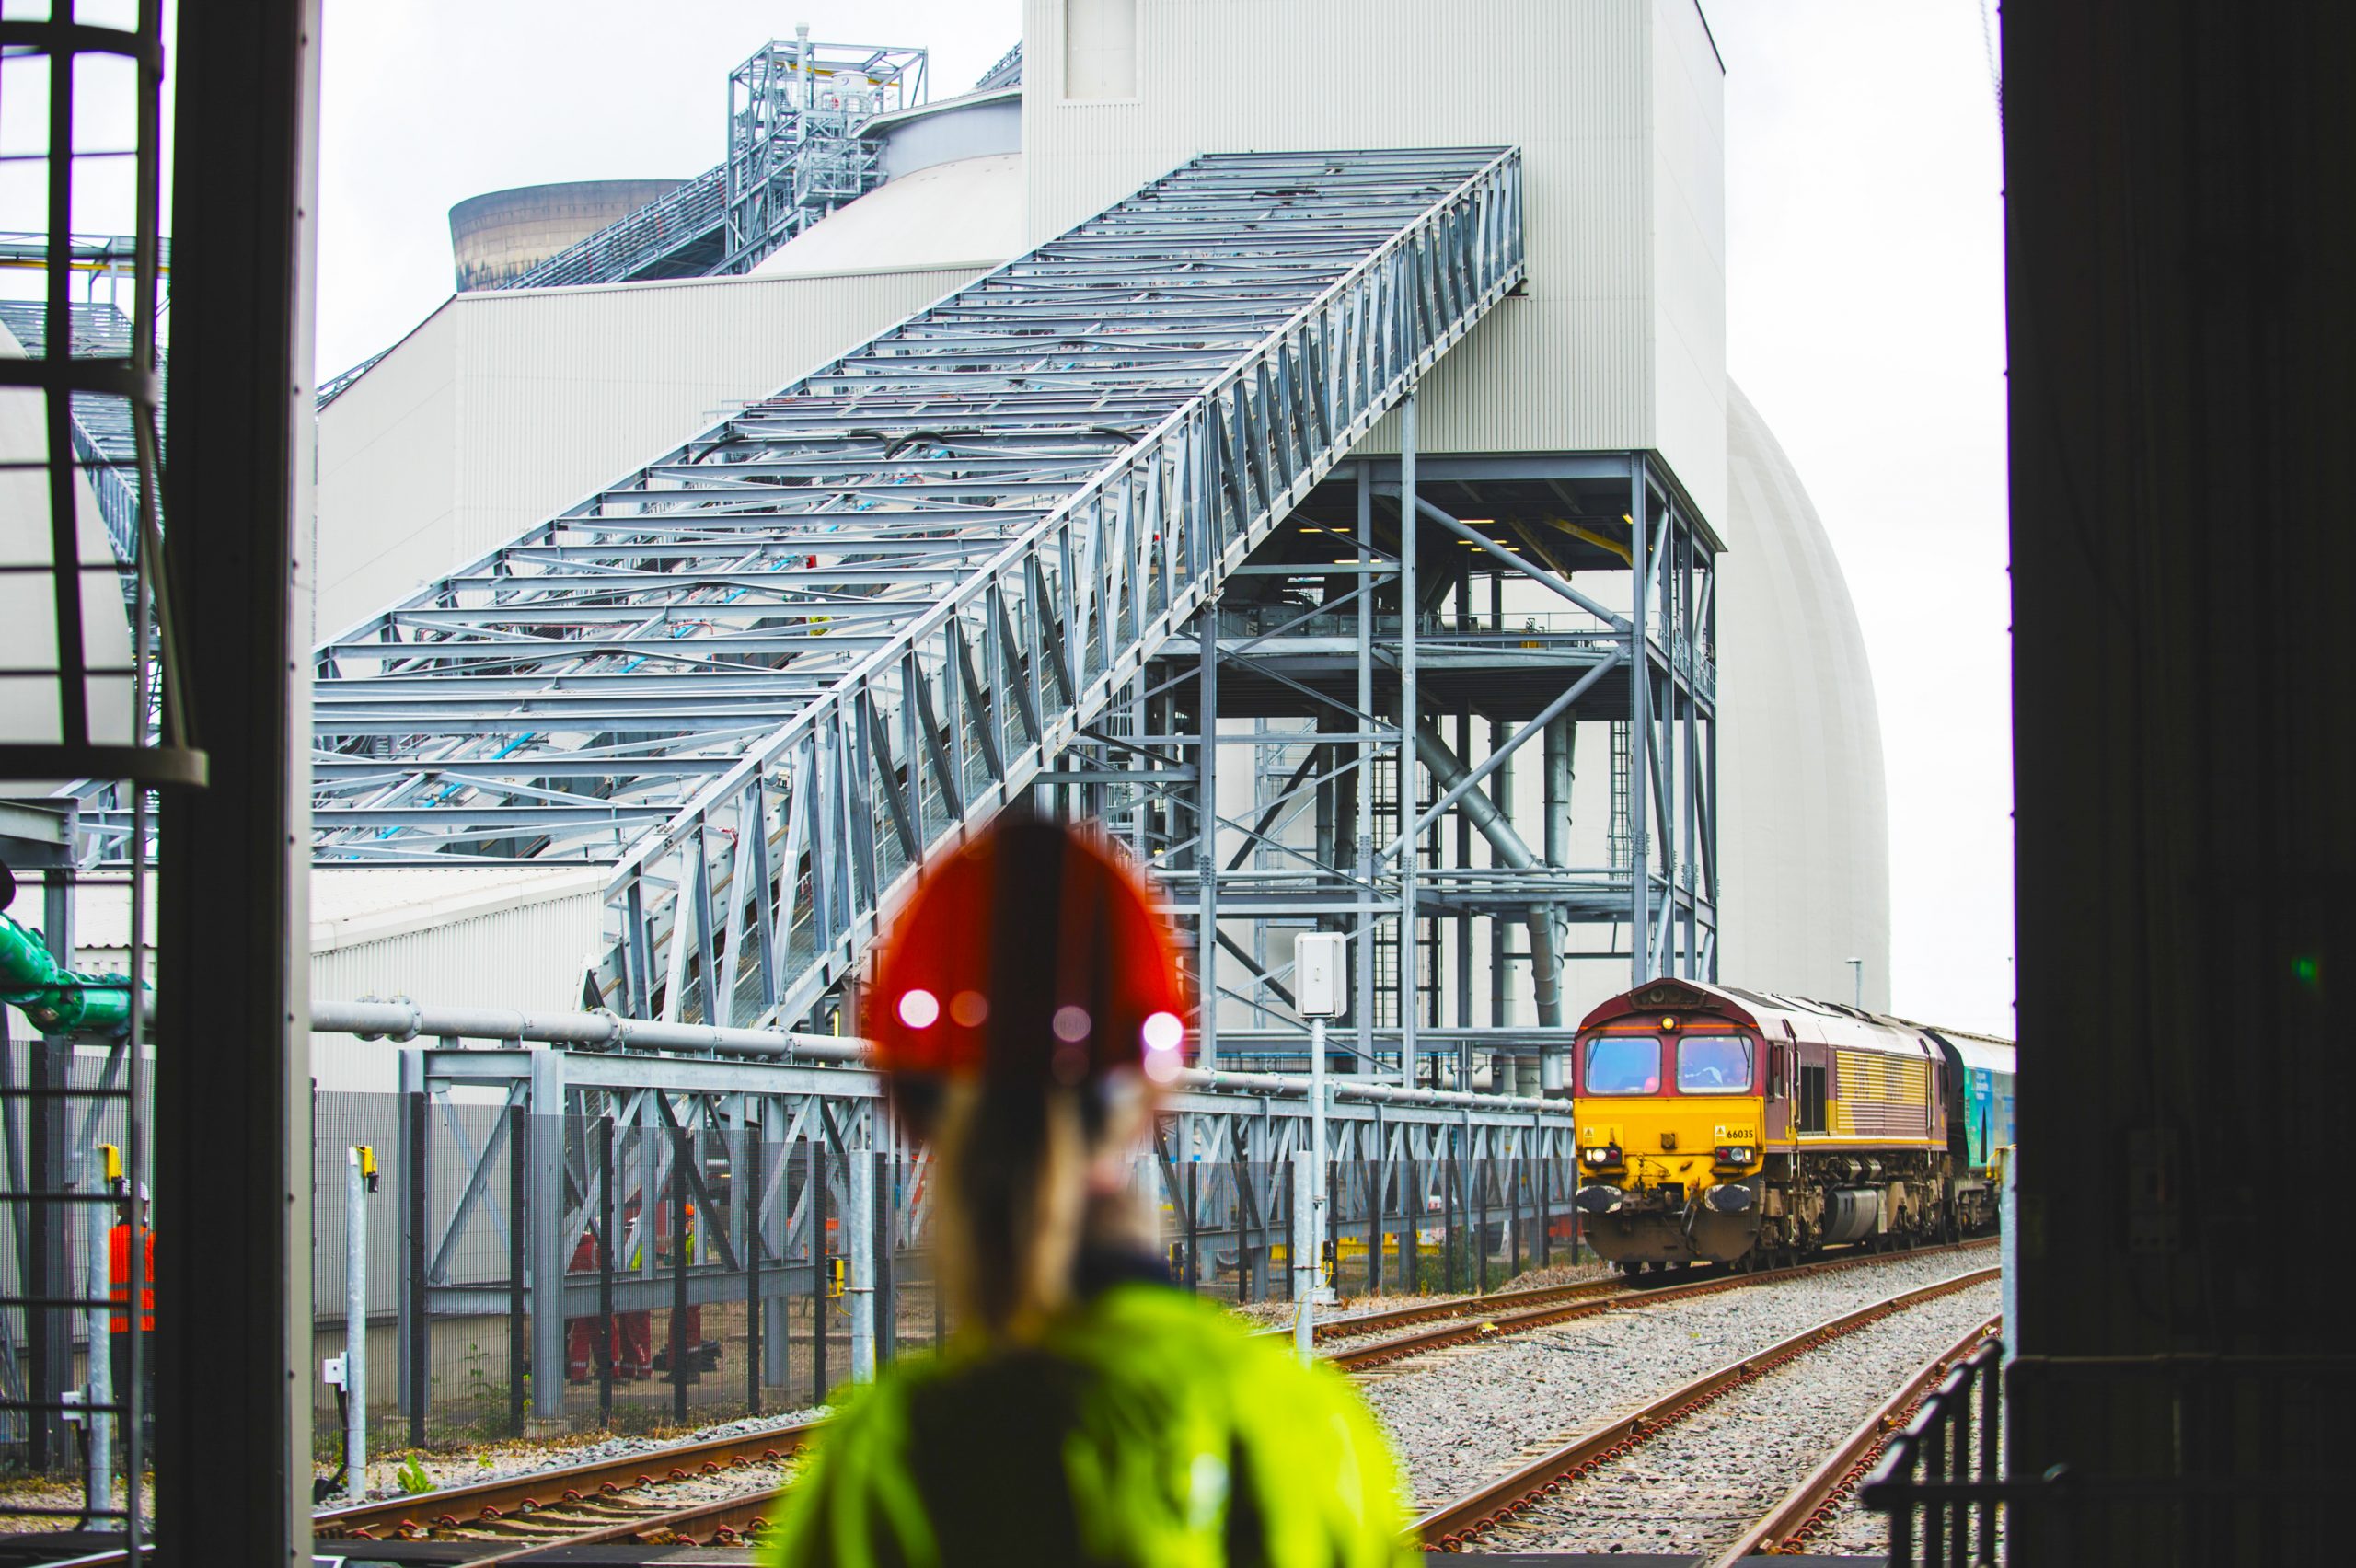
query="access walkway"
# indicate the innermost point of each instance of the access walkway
(763, 675)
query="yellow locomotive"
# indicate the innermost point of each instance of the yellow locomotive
(1724, 1125)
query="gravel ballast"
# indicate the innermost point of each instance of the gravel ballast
(505, 1461)
(1701, 1483)
(1461, 1416)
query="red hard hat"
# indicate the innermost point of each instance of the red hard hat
(1033, 952)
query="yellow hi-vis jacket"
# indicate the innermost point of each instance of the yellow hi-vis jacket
(1144, 1428)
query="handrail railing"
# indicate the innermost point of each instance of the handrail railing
(619, 251)
(1072, 605)
(2236, 1487)
(766, 673)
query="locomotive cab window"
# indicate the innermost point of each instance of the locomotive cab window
(1622, 1064)
(1714, 1063)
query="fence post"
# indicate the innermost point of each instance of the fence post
(516, 1134)
(820, 1302)
(777, 1341)
(885, 1310)
(859, 1225)
(546, 1260)
(748, 1202)
(1449, 1232)
(1513, 1217)
(681, 1152)
(1546, 1205)
(355, 1330)
(1411, 1235)
(1193, 1226)
(1304, 1255)
(98, 1475)
(607, 1203)
(416, 1338)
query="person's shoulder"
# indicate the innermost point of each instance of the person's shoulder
(1142, 1314)
(1155, 1328)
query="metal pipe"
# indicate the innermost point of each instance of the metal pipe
(403, 1021)
(56, 999)
(355, 1330)
(859, 1223)
(1318, 1196)
(1462, 787)
(1304, 1257)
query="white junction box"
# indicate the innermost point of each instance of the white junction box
(1320, 972)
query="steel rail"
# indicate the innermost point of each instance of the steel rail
(1515, 1298)
(409, 1519)
(1783, 1529)
(728, 1521)
(1454, 1525)
(1476, 1318)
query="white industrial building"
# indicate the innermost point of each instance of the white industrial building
(506, 406)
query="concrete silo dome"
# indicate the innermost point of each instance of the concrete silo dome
(1804, 825)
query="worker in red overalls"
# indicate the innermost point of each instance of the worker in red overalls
(633, 1332)
(119, 1266)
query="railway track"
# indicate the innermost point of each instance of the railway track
(1786, 1529)
(624, 1499)
(1470, 1319)
(605, 1500)
(1466, 1520)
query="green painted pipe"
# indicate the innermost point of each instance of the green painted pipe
(57, 1000)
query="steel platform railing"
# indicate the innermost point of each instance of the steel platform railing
(765, 672)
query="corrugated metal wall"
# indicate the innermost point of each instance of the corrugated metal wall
(526, 952)
(504, 408)
(1619, 343)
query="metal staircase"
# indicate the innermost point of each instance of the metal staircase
(104, 447)
(763, 675)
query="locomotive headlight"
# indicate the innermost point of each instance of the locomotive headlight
(1734, 1154)
(1607, 1155)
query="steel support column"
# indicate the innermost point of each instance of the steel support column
(1206, 838)
(1640, 726)
(1368, 749)
(232, 1102)
(1410, 957)
(551, 1247)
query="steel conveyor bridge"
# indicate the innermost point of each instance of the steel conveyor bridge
(764, 674)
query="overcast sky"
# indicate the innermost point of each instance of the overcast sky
(1864, 304)
(1865, 319)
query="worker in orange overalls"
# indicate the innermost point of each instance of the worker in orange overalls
(119, 1265)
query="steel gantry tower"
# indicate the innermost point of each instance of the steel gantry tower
(797, 114)
(1551, 595)
(763, 675)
